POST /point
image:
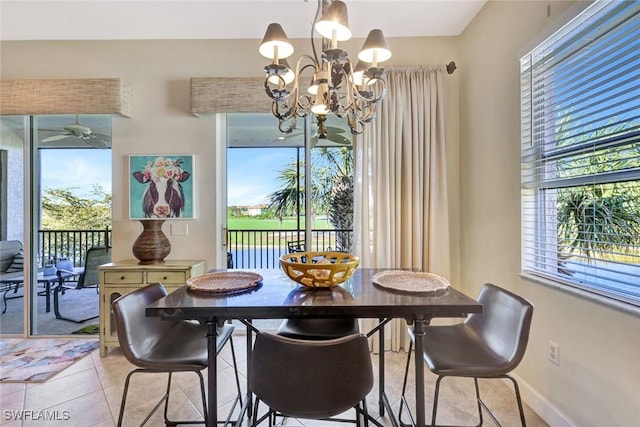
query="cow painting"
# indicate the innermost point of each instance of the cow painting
(163, 178)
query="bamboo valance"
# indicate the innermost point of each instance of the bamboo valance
(65, 96)
(228, 95)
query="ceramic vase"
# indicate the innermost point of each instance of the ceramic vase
(151, 246)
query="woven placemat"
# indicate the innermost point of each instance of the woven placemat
(410, 281)
(224, 282)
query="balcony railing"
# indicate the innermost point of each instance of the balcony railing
(70, 243)
(248, 248)
(263, 248)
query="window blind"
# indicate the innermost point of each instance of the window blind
(580, 124)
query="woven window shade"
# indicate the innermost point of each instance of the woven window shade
(228, 95)
(65, 96)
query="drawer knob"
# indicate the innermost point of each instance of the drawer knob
(164, 277)
(121, 277)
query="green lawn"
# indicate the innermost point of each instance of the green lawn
(272, 235)
(248, 223)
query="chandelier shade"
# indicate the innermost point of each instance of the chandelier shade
(334, 23)
(275, 44)
(328, 82)
(375, 48)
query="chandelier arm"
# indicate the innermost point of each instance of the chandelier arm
(303, 103)
(361, 95)
(319, 11)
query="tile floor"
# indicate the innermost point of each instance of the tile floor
(88, 394)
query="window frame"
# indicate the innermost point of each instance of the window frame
(541, 252)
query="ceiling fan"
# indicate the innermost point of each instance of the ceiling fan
(76, 130)
(322, 131)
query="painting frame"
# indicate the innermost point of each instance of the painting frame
(156, 170)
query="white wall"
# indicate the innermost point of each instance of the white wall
(598, 380)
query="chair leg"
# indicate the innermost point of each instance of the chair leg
(480, 402)
(169, 422)
(166, 403)
(124, 398)
(482, 405)
(403, 399)
(164, 399)
(204, 398)
(235, 370)
(365, 412)
(254, 418)
(518, 399)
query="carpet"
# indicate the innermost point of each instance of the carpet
(37, 360)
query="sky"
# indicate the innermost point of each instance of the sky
(252, 172)
(76, 169)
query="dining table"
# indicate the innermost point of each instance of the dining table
(276, 296)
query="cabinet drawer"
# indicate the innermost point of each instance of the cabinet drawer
(166, 277)
(123, 277)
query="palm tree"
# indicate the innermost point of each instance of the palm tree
(598, 218)
(331, 189)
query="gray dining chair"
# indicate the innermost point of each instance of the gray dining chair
(318, 328)
(310, 379)
(154, 345)
(486, 345)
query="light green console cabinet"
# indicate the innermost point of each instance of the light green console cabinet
(122, 277)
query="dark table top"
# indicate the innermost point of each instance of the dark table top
(279, 297)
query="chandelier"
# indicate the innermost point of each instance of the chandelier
(328, 83)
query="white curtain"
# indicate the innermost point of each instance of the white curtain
(401, 217)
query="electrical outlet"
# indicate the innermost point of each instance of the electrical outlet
(554, 353)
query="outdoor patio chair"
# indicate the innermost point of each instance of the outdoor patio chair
(296, 246)
(89, 278)
(486, 345)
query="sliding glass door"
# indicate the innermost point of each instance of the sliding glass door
(56, 203)
(272, 208)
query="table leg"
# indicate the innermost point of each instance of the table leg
(47, 296)
(419, 332)
(212, 374)
(249, 352)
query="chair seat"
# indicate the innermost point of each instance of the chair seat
(457, 351)
(184, 347)
(318, 329)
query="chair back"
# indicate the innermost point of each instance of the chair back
(96, 256)
(310, 379)
(296, 246)
(137, 333)
(504, 323)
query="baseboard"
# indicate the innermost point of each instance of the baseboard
(545, 409)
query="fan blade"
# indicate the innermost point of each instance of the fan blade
(56, 137)
(96, 143)
(331, 129)
(339, 139)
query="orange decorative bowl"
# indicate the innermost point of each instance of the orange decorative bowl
(319, 269)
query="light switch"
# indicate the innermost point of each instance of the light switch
(179, 229)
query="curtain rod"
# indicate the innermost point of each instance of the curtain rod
(451, 67)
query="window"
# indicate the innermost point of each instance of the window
(580, 94)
